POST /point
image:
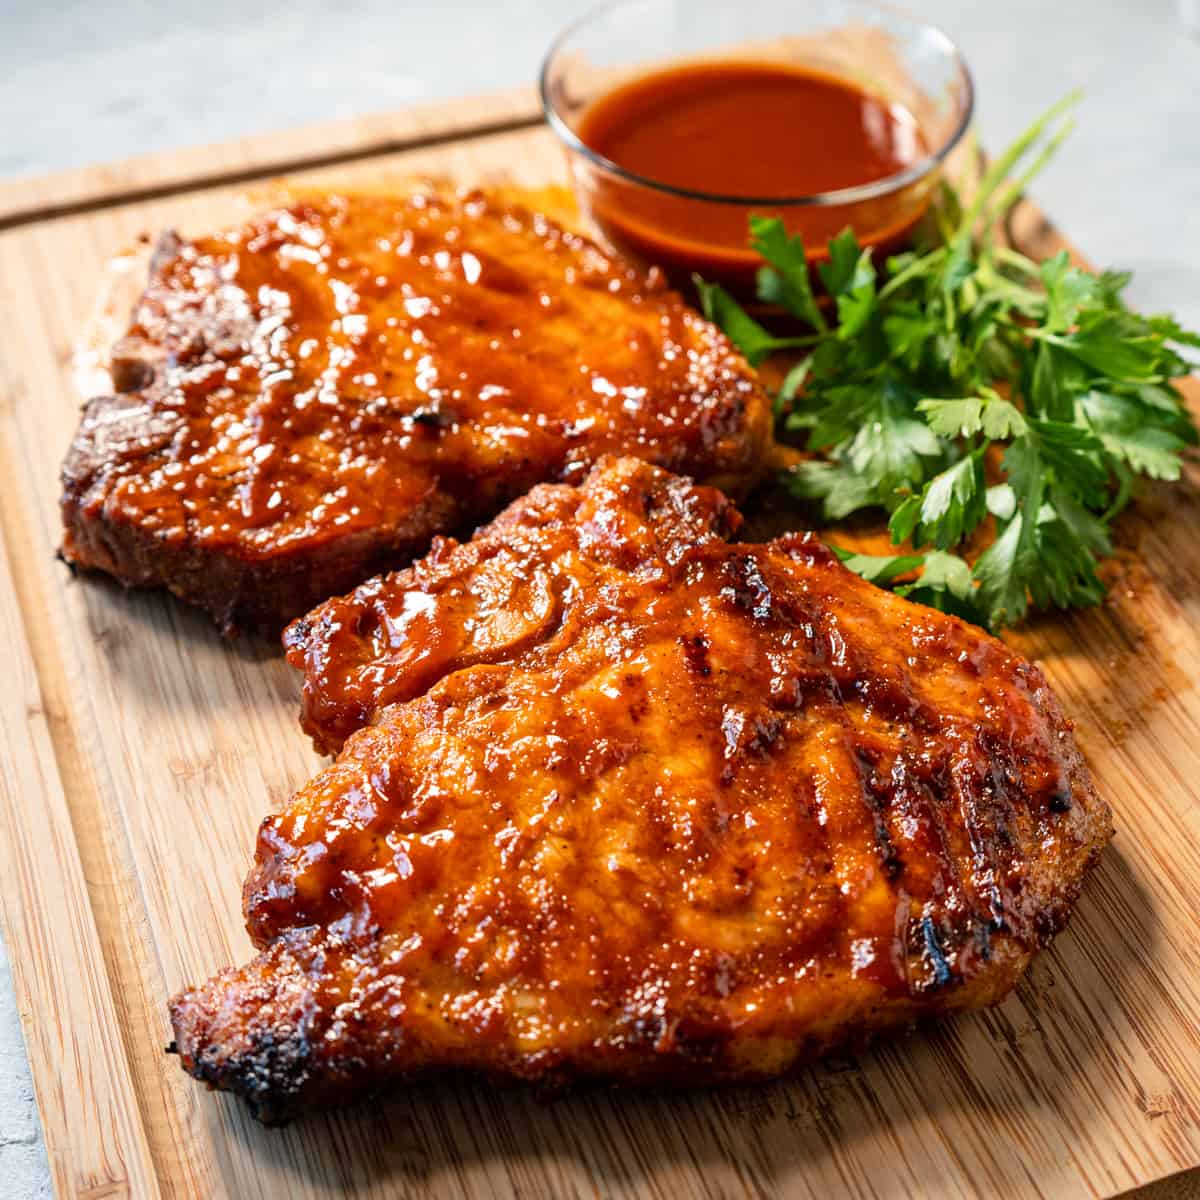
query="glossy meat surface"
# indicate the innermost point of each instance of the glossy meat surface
(645, 805)
(310, 398)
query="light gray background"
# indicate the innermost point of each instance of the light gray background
(82, 81)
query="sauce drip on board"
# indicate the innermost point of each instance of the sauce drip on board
(747, 129)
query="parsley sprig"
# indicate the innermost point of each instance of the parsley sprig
(998, 409)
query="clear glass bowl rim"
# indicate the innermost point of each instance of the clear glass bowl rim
(838, 196)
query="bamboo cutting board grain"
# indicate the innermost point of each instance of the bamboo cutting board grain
(140, 754)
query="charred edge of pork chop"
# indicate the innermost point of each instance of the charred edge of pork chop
(275, 1059)
(279, 1074)
(242, 595)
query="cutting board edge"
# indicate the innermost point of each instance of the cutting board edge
(261, 155)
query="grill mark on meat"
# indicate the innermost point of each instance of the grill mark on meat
(878, 797)
(748, 589)
(695, 654)
(942, 974)
(990, 813)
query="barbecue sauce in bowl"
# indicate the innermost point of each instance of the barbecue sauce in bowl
(679, 159)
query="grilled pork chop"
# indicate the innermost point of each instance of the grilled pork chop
(308, 399)
(633, 802)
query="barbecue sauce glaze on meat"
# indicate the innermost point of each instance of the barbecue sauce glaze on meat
(630, 801)
(311, 397)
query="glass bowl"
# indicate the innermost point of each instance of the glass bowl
(892, 57)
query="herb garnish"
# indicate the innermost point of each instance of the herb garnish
(958, 358)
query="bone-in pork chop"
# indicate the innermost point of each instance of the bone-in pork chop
(638, 803)
(310, 398)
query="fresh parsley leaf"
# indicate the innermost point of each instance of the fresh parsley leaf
(840, 490)
(879, 568)
(1133, 434)
(946, 584)
(1167, 401)
(1068, 289)
(904, 519)
(953, 418)
(906, 331)
(891, 446)
(1111, 285)
(1067, 566)
(785, 281)
(1002, 420)
(1007, 567)
(1071, 451)
(947, 572)
(856, 303)
(1001, 501)
(1168, 328)
(1087, 529)
(849, 277)
(1003, 572)
(793, 381)
(1055, 382)
(741, 328)
(1116, 345)
(945, 581)
(838, 273)
(949, 507)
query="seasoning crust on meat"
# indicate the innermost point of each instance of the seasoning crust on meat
(622, 799)
(310, 398)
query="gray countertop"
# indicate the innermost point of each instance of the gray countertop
(83, 82)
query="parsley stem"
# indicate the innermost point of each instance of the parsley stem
(1016, 189)
(1017, 260)
(1002, 167)
(918, 267)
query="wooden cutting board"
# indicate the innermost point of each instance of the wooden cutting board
(141, 752)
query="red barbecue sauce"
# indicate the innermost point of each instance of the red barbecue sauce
(750, 131)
